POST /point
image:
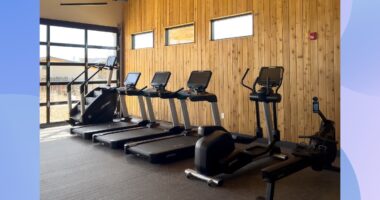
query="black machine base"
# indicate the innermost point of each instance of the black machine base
(165, 151)
(86, 132)
(117, 140)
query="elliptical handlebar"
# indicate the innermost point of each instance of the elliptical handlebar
(242, 81)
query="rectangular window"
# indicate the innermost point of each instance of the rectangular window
(43, 53)
(180, 34)
(66, 73)
(66, 35)
(100, 38)
(142, 40)
(43, 32)
(231, 27)
(59, 113)
(100, 55)
(58, 93)
(60, 54)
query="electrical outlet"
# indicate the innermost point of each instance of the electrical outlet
(221, 115)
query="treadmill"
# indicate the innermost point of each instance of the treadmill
(127, 122)
(176, 147)
(116, 139)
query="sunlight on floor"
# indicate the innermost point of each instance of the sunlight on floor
(54, 133)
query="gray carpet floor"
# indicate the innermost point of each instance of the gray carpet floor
(72, 168)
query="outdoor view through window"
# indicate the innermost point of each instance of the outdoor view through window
(180, 34)
(67, 58)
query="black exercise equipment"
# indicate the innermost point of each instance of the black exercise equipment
(99, 105)
(116, 139)
(125, 121)
(176, 147)
(319, 154)
(216, 153)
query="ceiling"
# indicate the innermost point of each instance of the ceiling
(107, 15)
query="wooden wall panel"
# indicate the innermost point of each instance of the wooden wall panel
(281, 31)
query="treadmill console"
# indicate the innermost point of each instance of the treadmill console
(160, 80)
(132, 79)
(199, 81)
(111, 62)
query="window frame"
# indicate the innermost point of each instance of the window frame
(179, 26)
(49, 22)
(138, 33)
(229, 17)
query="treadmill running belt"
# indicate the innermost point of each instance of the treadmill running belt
(167, 150)
(88, 131)
(117, 140)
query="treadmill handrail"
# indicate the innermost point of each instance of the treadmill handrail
(179, 90)
(142, 89)
(242, 80)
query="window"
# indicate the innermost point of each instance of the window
(59, 113)
(99, 55)
(142, 40)
(180, 34)
(42, 53)
(66, 73)
(66, 35)
(107, 38)
(64, 54)
(60, 54)
(231, 27)
(43, 32)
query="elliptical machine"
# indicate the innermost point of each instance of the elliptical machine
(215, 153)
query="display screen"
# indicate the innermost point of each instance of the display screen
(271, 76)
(160, 78)
(111, 61)
(199, 79)
(132, 79)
